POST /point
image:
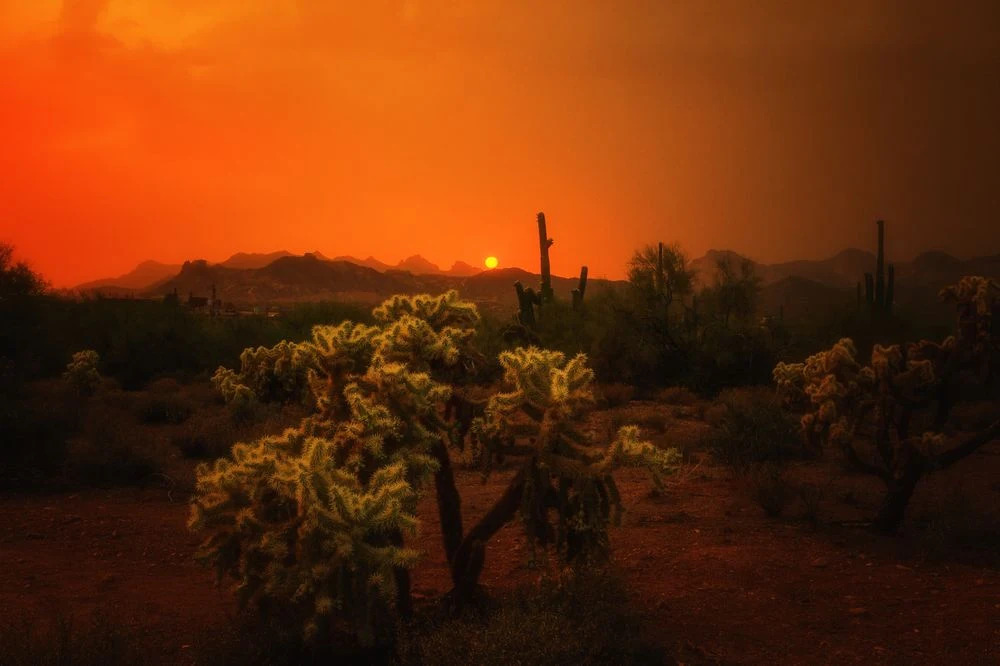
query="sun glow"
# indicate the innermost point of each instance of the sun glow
(491, 262)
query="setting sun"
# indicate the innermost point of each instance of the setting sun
(491, 262)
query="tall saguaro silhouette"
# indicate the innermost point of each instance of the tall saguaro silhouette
(879, 291)
(544, 243)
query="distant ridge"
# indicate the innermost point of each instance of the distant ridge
(253, 259)
(310, 278)
(141, 277)
(848, 267)
(927, 272)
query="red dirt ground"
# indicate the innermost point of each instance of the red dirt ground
(717, 581)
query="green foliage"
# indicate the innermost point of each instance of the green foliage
(81, 372)
(661, 272)
(541, 417)
(735, 290)
(752, 429)
(142, 340)
(312, 522)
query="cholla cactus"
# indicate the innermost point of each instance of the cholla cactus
(840, 397)
(267, 374)
(295, 528)
(542, 420)
(81, 372)
(832, 387)
(313, 521)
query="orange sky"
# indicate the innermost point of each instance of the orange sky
(177, 129)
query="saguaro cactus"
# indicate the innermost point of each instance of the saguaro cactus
(879, 293)
(544, 243)
(579, 292)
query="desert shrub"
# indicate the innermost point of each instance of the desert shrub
(654, 420)
(164, 386)
(770, 489)
(615, 395)
(954, 527)
(905, 397)
(722, 356)
(81, 372)
(35, 427)
(110, 449)
(160, 408)
(811, 495)
(752, 428)
(677, 395)
(208, 434)
(574, 619)
(59, 641)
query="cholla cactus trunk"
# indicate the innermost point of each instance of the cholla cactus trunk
(544, 243)
(539, 422)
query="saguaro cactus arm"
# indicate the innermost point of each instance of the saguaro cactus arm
(544, 243)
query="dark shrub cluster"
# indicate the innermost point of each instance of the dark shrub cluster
(752, 428)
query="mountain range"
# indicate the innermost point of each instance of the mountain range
(311, 278)
(803, 285)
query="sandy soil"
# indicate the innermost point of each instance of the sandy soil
(717, 580)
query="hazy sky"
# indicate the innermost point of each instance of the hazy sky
(178, 129)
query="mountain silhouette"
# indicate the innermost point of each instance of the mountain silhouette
(253, 259)
(141, 277)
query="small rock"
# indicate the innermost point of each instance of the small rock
(858, 611)
(820, 562)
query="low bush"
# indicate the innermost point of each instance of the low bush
(615, 395)
(583, 618)
(34, 429)
(159, 408)
(770, 488)
(752, 428)
(81, 372)
(677, 395)
(111, 449)
(98, 641)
